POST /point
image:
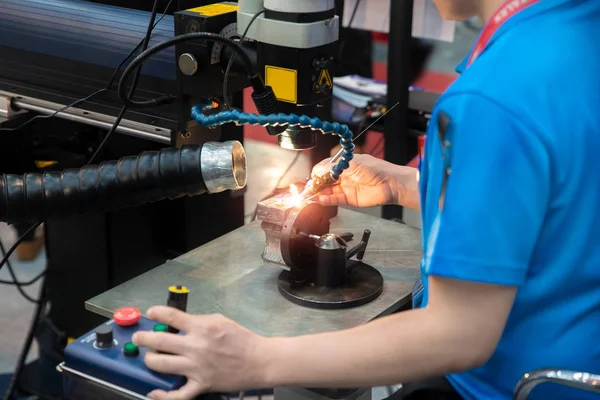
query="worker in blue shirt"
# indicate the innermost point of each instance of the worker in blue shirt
(509, 191)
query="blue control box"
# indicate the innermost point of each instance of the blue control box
(107, 357)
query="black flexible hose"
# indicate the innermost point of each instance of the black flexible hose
(255, 80)
(112, 185)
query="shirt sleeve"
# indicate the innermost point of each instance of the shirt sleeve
(496, 196)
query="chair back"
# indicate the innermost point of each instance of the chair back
(579, 380)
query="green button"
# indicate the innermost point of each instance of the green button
(160, 328)
(130, 349)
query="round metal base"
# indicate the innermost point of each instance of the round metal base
(363, 285)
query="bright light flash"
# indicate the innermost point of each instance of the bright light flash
(294, 198)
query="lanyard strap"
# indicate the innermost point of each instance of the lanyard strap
(503, 14)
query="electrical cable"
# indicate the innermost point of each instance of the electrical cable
(26, 283)
(13, 276)
(354, 11)
(17, 243)
(144, 43)
(136, 78)
(87, 98)
(226, 98)
(41, 302)
(140, 44)
(255, 80)
(39, 308)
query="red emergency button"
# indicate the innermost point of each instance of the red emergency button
(127, 316)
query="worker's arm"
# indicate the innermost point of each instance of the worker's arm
(477, 254)
(482, 233)
(457, 331)
(371, 182)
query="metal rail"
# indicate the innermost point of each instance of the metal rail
(98, 120)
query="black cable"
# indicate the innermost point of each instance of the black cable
(145, 43)
(140, 44)
(17, 243)
(136, 78)
(39, 308)
(87, 98)
(14, 277)
(41, 303)
(26, 283)
(226, 98)
(354, 11)
(255, 80)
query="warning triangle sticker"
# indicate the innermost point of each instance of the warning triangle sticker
(325, 79)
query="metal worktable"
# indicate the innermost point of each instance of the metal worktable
(228, 276)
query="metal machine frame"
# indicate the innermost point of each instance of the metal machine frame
(400, 146)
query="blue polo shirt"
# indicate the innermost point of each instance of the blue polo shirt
(520, 156)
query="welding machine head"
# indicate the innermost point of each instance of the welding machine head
(290, 45)
(296, 43)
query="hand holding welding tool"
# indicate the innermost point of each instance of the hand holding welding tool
(369, 182)
(319, 182)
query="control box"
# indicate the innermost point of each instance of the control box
(107, 360)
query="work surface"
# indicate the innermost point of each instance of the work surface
(227, 276)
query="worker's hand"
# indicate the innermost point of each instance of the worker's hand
(370, 182)
(215, 353)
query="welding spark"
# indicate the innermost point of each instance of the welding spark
(294, 199)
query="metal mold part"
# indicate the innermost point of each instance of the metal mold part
(287, 228)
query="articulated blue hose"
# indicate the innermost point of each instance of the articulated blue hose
(303, 121)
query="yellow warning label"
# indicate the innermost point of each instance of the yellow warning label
(214, 9)
(284, 83)
(45, 164)
(325, 79)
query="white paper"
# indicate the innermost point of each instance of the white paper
(374, 15)
(361, 85)
(354, 99)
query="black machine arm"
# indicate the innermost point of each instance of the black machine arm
(359, 249)
(131, 181)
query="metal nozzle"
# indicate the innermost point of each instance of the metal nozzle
(295, 138)
(317, 184)
(223, 166)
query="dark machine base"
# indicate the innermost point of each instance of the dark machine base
(363, 285)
